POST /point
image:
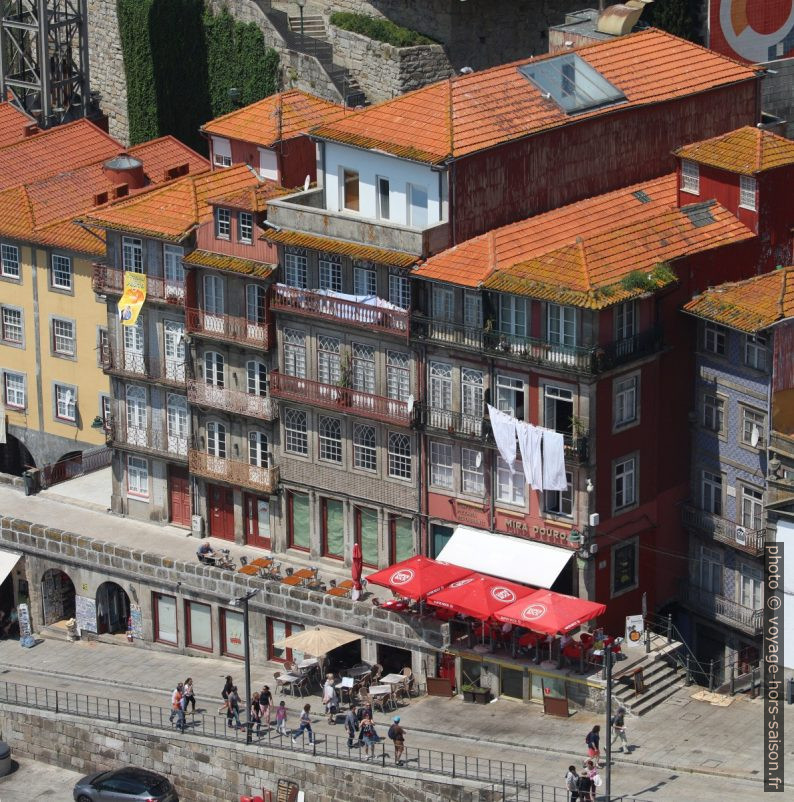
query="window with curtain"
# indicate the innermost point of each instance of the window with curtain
(402, 539)
(333, 519)
(199, 625)
(165, 619)
(298, 521)
(367, 535)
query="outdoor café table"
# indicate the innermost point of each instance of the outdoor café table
(249, 570)
(262, 562)
(292, 579)
(357, 673)
(288, 679)
(305, 574)
(338, 591)
(394, 681)
(377, 691)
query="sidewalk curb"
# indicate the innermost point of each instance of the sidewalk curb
(566, 753)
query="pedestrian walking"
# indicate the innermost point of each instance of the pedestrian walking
(593, 741)
(369, 736)
(176, 697)
(189, 694)
(255, 713)
(180, 713)
(227, 689)
(572, 783)
(233, 708)
(397, 734)
(595, 779)
(281, 718)
(362, 712)
(586, 788)
(305, 725)
(619, 729)
(330, 699)
(351, 725)
(266, 703)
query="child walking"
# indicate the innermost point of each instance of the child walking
(281, 718)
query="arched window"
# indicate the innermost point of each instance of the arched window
(216, 439)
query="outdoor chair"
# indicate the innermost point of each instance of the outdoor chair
(291, 667)
(376, 673)
(282, 685)
(301, 685)
(381, 701)
(243, 560)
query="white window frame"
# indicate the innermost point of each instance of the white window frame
(755, 351)
(715, 338)
(398, 375)
(258, 456)
(329, 433)
(330, 272)
(214, 369)
(752, 507)
(472, 309)
(16, 396)
(64, 337)
(747, 192)
(443, 304)
(714, 413)
(513, 315)
(560, 502)
(214, 294)
(9, 261)
(362, 367)
(625, 320)
(711, 493)
(295, 353)
(137, 476)
(221, 152)
(12, 327)
(296, 269)
(472, 476)
(690, 177)
(132, 254)
(399, 290)
(329, 359)
(561, 326)
(245, 227)
(399, 456)
(296, 431)
(348, 175)
(217, 439)
(441, 465)
(510, 486)
(256, 377)
(65, 405)
(365, 451)
(223, 223)
(421, 217)
(439, 377)
(508, 388)
(624, 483)
(751, 416)
(61, 266)
(710, 570)
(751, 586)
(626, 400)
(365, 280)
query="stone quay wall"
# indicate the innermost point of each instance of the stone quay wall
(204, 770)
(384, 71)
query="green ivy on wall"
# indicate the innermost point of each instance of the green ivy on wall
(180, 61)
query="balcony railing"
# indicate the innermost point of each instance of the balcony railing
(453, 422)
(724, 610)
(150, 439)
(725, 531)
(260, 478)
(230, 328)
(315, 304)
(110, 281)
(340, 399)
(529, 349)
(146, 368)
(208, 395)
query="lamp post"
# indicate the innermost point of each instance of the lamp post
(301, 5)
(243, 600)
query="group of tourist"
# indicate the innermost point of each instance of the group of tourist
(582, 784)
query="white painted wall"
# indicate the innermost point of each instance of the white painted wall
(268, 164)
(371, 165)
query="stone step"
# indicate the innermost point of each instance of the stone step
(660, 686)
(312, 26)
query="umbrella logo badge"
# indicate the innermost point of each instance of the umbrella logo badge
(460, 583)
(533, 612)
(503, 594)
(402, 577)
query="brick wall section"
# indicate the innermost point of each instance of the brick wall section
(205, 771)
(384, 71)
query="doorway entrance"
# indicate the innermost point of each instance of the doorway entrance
(179, 495)
(392, 659)
(220, 502)
(112, 609)
(57, 594)
(257, 521)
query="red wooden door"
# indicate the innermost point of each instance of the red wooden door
(257, 521)
(179, 496)
(221, 507)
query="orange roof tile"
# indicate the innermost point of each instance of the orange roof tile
(472, 261)
(750, 305)
(159, 155)
(367, 253)
(251, 199)
(171, 211)
(234, 264)
(278, 117)
(64, 147)
(12, 123)
(471, 112)
(747, 150)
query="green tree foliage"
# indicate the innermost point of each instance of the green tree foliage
(382, 30)
(679, 17)
(180, 61)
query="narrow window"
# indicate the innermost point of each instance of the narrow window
(350, 199)
(383, 198)
(747, 187)
(690, 177)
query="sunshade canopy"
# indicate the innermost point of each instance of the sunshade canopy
(417, 577)
(317, 641)
(526, 561)
(8, 559)
(479, 596)
(550, 613)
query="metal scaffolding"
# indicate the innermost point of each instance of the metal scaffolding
(44, 58)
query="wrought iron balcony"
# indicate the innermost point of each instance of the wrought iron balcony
(618, 352)
(230, 328)
(715, 527)
(143, 368)
(340, 399)
(208, 395)
(351, 313)
(722, 609)
(259, 478)
(109, 280)
(445, 420)
(149, 439)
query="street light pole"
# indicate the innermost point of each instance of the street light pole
(301, 4)
(247, 654)
(608, 667)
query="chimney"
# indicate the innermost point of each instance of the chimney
(125, 169)
(30, 129)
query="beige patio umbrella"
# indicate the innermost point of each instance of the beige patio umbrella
(317, 641)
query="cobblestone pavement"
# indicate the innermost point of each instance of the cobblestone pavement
(31, 781)
(685, 750)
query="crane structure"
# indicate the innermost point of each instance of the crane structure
(44, 58)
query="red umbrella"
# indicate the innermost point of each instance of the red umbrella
(417, 577)
(550, 613)
(479, 596)
(356, 570)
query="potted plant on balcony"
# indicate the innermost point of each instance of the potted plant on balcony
(345, 377)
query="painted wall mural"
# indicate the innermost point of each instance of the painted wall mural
(752, 30)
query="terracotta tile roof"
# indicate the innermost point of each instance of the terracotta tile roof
(597, 271)
(259, 122)
(367, 253)
(251, 199)
(234, 264)
(171, 211)
(468, 113)
(747, 150)
(64, 147)
(159, 155)
(472, 261)
(750, 305)
(12, 123)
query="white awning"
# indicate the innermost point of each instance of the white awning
(525, 561)
(8, 559)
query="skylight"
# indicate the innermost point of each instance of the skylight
(572, 83)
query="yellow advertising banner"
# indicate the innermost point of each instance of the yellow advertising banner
(133, 297)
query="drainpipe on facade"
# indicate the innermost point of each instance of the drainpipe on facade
(491, 462)
(421, 484)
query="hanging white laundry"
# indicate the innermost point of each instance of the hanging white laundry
(554, 461)
(504, 432)
(529, 438)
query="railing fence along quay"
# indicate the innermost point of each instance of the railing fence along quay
(87, 462)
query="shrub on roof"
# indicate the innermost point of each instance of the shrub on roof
(379, 29)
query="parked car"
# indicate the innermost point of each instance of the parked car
(133, 784)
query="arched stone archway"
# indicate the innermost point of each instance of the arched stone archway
(57, 595)
(14, 456)
(112, 609)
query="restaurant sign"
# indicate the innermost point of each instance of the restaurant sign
(402, 577)
(544, 534)
(534, 612)
(502, 594)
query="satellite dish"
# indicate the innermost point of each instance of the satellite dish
(306, 182)
(755, 436)
(478, 459)
(410, 403)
